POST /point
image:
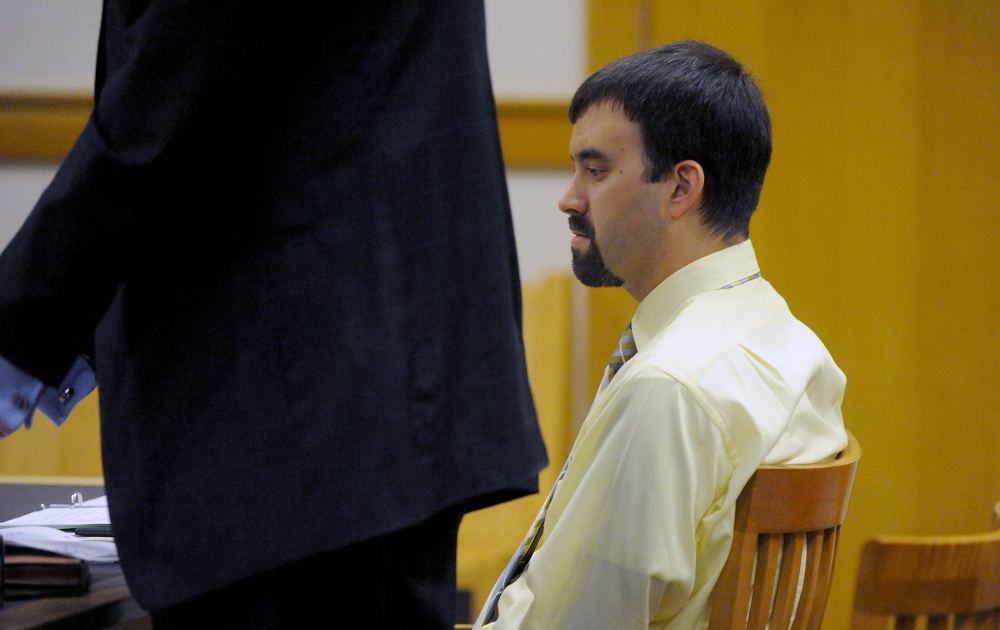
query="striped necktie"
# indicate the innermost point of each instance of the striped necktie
(519, 562)
(625, 351)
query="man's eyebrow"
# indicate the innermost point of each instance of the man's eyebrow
(589, 154)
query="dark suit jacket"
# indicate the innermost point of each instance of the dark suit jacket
(291, 235)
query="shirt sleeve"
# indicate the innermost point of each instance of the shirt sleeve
(21, 394)
(629, 526)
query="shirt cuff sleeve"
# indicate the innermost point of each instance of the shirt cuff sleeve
(57, 403)
(19, 392)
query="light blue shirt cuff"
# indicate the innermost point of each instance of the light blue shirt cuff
(21, 393)
(57, 403)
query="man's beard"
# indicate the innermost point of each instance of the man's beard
(589, 266)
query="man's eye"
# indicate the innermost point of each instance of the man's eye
(594, 172)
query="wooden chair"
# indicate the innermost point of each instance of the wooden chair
(784, 546)
(939, 582)
(784, 514)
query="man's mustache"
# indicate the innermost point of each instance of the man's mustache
(582, 225)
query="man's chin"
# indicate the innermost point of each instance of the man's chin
(591, 271)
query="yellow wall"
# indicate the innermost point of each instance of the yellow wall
(489, 537)
(73, 450)
(880, 224)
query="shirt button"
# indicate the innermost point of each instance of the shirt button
(66, 395)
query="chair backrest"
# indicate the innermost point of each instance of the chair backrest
(950, 581)
(784, 546)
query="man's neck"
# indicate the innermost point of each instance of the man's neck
(678, 255)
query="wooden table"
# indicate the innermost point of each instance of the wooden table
(109, 603)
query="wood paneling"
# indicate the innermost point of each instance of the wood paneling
(73, 449)
(534, 133)
(44, 127)
(956, 325)
(489, 537)
(616, 28)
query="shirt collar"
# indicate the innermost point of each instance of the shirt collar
(705, 274)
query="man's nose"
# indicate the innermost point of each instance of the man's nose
(572, 201)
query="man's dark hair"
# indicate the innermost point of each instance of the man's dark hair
(693, 101)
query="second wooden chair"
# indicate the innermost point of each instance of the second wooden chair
(937, 582)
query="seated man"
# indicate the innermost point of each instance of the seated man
(714, 375)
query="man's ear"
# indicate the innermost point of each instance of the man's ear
(689, 181)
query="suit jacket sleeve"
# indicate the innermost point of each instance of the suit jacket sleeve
(89, 230)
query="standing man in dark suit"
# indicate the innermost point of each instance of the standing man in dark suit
(283, 242)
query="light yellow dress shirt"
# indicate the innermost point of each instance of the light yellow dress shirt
(640, 527)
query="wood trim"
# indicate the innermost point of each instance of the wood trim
(44, 127)
(50, 480)
(109, 604)
(41, 126)
(535, 133)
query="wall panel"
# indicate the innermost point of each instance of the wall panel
(958, 344)
(488, 537)
(44, 450)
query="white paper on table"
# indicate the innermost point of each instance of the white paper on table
(58, 541)
(93, 512)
